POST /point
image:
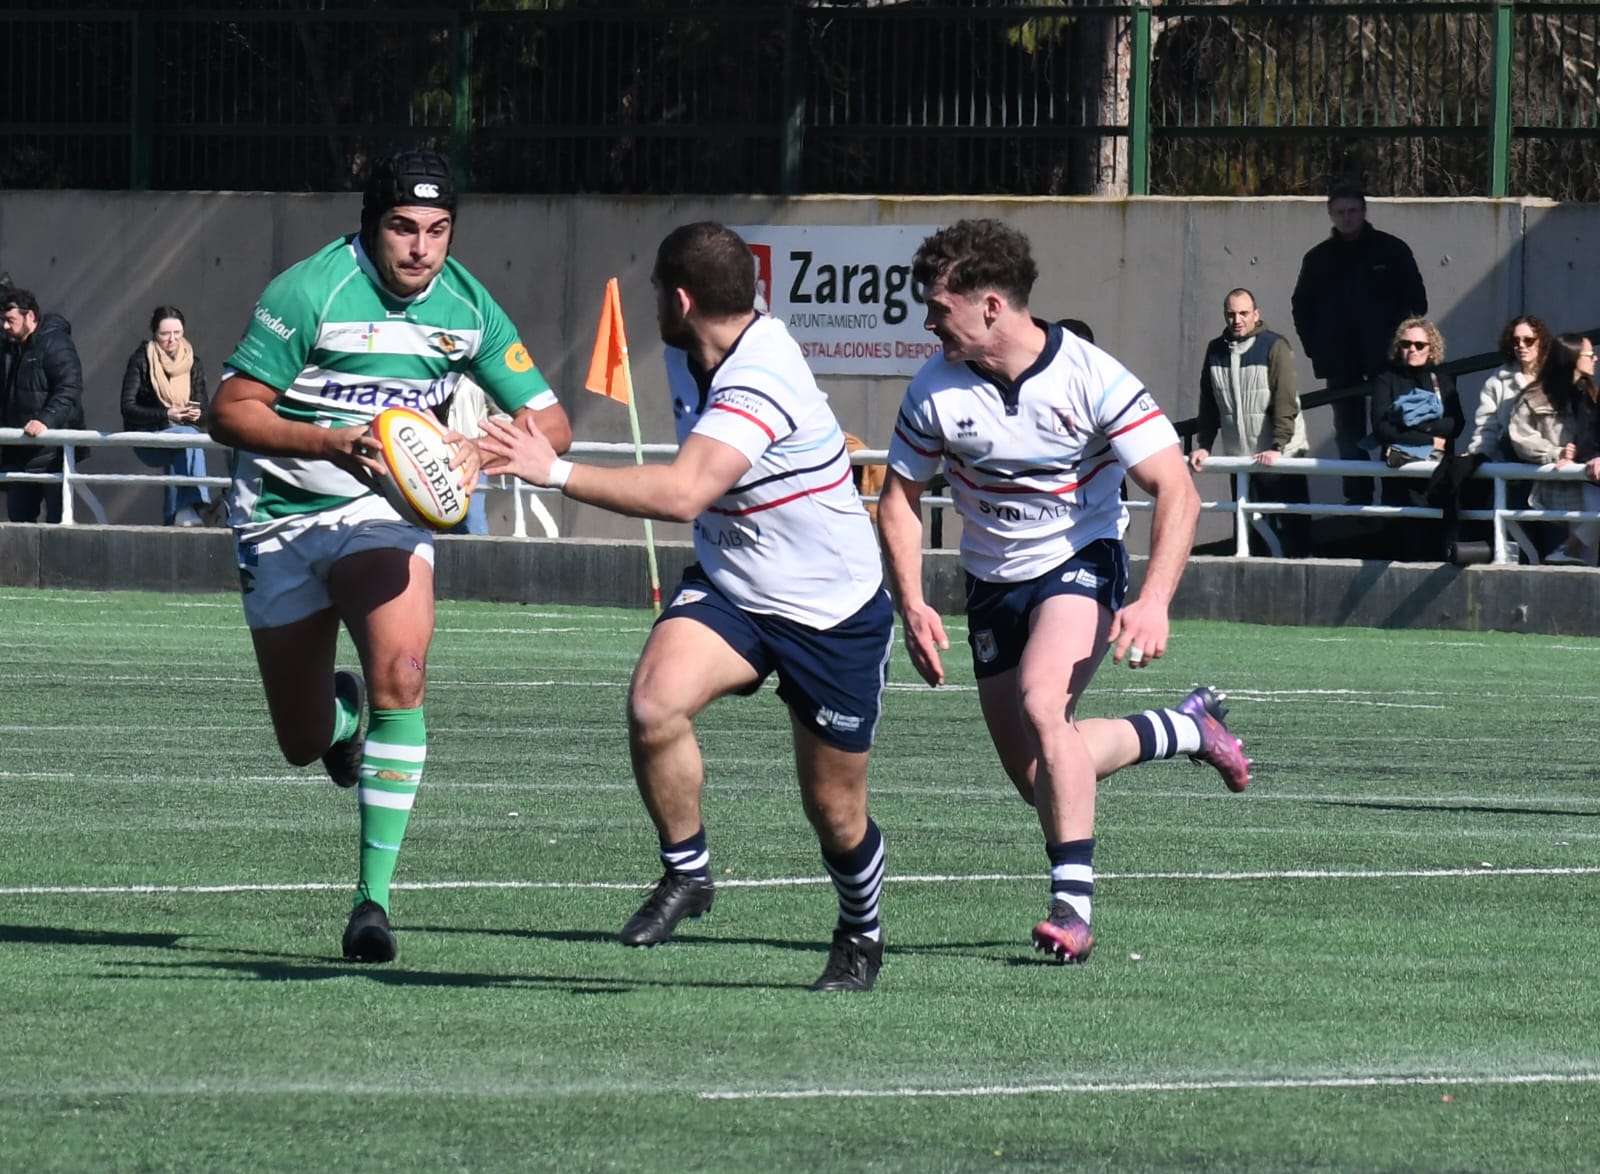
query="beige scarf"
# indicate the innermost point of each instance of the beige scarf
(169, 374)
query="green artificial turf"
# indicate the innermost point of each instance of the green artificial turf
(1377, 958)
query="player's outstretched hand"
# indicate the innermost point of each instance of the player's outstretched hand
(1139, 633)
(924, 638)
(523, 451)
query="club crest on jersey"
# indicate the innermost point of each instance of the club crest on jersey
(445, 343)
(984, 646)
(1061, 422)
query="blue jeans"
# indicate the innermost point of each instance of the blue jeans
(180, 462)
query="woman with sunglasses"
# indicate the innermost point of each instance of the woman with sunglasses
(1552, 424)
(1524, 343)
(1416, 416)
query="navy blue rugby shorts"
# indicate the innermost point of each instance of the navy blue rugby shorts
(832, 679)
(998, 613)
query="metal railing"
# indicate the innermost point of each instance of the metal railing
(1185, 97)
(78, 486)
(1248, 514)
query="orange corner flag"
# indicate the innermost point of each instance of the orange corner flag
(608, 367)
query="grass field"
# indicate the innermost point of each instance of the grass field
(1380, 957)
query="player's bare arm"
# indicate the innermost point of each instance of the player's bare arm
(1143, 624)
(243, 416)
(552, 422)
(900, 532)
(703, 471)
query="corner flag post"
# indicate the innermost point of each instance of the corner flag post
(611, 376)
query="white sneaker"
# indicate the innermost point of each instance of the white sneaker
(186, 517)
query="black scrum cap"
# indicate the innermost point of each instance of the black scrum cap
(417, 178)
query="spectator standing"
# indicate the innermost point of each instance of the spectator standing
(1250, 407)
(1353, 291)
(1552, 425)
(1416, 415)
(164, 390)
(41, 388)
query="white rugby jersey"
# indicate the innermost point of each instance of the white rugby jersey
(792, 538)
(1035, 468)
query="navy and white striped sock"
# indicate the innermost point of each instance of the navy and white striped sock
(858, 879)
(1072, 874)
(688, 857)
(1165, 733)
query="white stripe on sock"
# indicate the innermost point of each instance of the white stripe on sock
(374, 798)
(394, 752)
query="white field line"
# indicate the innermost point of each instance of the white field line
(1265, 1084)
(797, 882)
(435, 1088)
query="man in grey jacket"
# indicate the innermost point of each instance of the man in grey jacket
(1250, 407)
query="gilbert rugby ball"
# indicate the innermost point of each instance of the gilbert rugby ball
(421, 486)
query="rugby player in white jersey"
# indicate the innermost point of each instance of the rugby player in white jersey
(1035, 429)
(379, 318)
(788, 581)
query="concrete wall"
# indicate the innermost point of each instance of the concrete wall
(1319, 593)
(1147, 274)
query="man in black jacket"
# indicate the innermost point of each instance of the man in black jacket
(41, 387)
(1355, 289)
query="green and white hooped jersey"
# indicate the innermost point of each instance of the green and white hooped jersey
(341, 348)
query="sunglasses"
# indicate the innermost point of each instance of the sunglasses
(1411, 344)
(1524, 340)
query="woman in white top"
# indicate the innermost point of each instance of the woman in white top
(1524, 343)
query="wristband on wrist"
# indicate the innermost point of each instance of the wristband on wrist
(560, 470)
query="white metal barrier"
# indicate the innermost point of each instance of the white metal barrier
(1505, 522)
(1247, 512)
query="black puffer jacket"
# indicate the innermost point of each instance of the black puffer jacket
(40, 379)
(1350, 297)
(1388, 427)
(142, 409)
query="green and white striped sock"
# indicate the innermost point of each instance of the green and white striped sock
(391, 770)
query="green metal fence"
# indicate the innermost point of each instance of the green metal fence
(1475, 97)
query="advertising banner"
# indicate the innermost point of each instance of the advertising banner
(846, 294)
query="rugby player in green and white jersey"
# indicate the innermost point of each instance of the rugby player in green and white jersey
(377, 319)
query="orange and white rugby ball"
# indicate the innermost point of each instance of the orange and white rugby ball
(421, 486)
